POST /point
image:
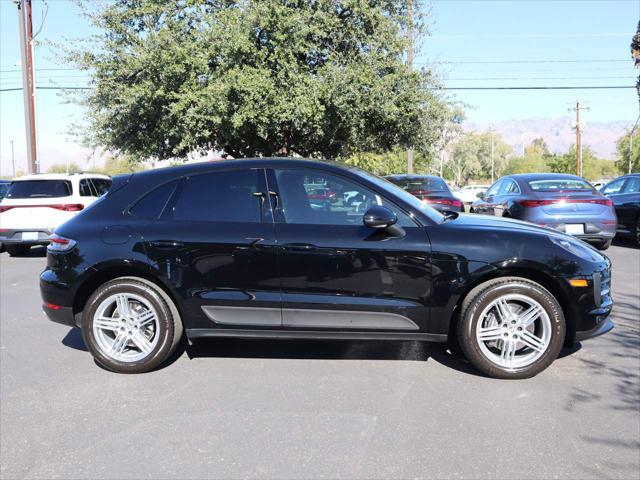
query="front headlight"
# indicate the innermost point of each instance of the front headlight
(577, 248)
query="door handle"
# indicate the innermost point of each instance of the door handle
(166, 244)
(300, 247)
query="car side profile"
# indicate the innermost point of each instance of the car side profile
(567, 203)
(236, 248)
(35, 204)
(624, 191)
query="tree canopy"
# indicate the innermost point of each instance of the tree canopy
(265, 77)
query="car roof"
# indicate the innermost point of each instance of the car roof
(527, 177)
(412, 176)
(262, 162)
(59, 176)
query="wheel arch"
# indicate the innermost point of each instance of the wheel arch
(546, 280)
(131, 270)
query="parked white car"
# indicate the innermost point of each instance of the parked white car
(469, 193)
(36, 204)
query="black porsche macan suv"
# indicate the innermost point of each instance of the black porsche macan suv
(247, 248)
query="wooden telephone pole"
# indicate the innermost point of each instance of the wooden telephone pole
(578, 129)
(410, 65)
(28, 82)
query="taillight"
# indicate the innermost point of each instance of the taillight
(66, 207)
(539, 203)
(444, 201)
(58, 243)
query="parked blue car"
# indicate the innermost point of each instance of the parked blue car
(564, 202)
(625, 193)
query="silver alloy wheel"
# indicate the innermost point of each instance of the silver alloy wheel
(126, 327)
(513, 331)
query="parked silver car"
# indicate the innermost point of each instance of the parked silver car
(564, 202)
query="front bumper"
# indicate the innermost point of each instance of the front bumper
(604, 327)
(25, 236)
(594, 306)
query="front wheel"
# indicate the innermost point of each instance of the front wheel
(511, 328)
(602, 245)
(129, 326)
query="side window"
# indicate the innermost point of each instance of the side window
(494, 189)
(85, 188)
(313, 197)
(509, 187)
(101, 185)
(151, 205)
(613, 187)
(220, 197)
(632, 185)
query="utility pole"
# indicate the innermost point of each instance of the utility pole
(28, 82)
(492, 162)
(410, 65)
(578, 128)
(13, 159)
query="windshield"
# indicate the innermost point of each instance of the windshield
(559, 184)
(427, 184)
(39, 189)
(415, 202)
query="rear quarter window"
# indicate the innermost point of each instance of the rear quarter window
(40, 189)
(152, 204)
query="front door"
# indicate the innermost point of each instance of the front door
(337, 274)
(215, 244)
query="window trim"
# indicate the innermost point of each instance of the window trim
(271, 178)
(511, 180)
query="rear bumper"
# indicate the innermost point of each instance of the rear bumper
(63, 315)
(16, 237)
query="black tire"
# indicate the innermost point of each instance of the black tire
(603, 245)
(637, 232)
(17, 250)
(169, 331)
(480, 297)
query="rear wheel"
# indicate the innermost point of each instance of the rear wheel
(17, 250)
(129, 326)
(511, 328)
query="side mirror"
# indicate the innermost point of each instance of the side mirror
(379, 217)
(480, 195)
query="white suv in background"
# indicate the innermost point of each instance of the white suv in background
(469, 193)
(36, 204)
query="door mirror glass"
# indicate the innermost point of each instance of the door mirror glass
(480, 195)
(379, 217)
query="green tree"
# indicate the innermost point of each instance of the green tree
(116, 165)
(307, 77)
(71, 167)
(622, 146)
(471, 157)
(536, 156)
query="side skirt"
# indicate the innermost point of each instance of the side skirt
(194, 333)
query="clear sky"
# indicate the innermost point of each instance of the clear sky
(545, 42)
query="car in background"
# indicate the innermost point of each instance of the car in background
(469, 193)
(431, 189)
(625, 193)
(567, 203)
(36, 204)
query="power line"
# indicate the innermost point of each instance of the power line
(532, 35)
(526, 61)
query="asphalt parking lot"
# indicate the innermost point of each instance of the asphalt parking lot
(280, 409)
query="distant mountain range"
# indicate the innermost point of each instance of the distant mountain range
(557, 133)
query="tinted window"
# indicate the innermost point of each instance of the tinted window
(4, 188)
(101, 185)
(314, 197)
(420, 184)
(39, 189)
(509, 187)
(632, 185)
(151, 205)
(220, 197)
(85, 188)
(559, 184)
(614, 187)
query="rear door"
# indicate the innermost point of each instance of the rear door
(215, 244)
(337, 274)
(486, 205)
